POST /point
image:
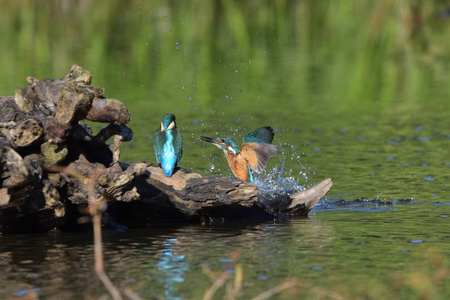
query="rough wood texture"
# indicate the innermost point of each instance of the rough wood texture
(51, 163)
(191, 193)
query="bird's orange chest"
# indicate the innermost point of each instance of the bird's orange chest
(238, 165)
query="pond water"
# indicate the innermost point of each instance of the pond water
(356, 91)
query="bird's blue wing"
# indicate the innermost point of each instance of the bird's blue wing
(158, 143)
(260, 135)
(178, 142)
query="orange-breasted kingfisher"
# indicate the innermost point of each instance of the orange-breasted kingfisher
(168, 144)
(253, 155)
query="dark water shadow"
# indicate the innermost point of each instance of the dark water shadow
(362, 204)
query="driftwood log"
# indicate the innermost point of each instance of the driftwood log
(48, 153)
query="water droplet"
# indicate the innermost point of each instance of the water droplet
(166, 17)
(416, 241)
(189, 98)
(262, 278)
(429, 178)
(211, 166)
(21, 292)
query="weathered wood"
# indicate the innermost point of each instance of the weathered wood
(52, 199)
(6, 98)
(190, 192)
(53, 153)
(15, 173)
(22, 102)
(306, 200)
(107, 110)
(113, 129)
(4, 197)
(27, 133)
(74, 103)
(115, 148)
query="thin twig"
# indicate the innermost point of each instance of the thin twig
(287, 284)
(233, 288)
(296, 283)
(131, 294)
(95, 210)
(220, 281)
(98, 248)
(113, 291)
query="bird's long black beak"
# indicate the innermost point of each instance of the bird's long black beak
(209, 139)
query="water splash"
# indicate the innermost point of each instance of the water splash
(274, 183)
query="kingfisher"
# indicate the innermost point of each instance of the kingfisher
(253, 155)
(168, 144)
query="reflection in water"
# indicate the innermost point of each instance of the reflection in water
(155, 262)
(172, 268)
(167, 261)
